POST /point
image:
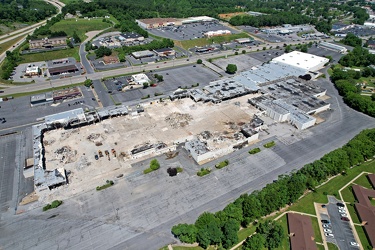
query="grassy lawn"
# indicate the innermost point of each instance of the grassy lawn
(285, 242)
(306, 204)
(332, 246)
(353, 213)
(5, 46)
(80, 27)
(320, 247)
(51, 55)
(363, 181)
(205, 41)
(362, 237)
(372, 202)
(315, 224)
(347, 194)
(246, 232)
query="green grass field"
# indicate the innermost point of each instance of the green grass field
(332, 246)
(315, 224)
(353, 213)
(362, 237)
(306, 204)
(51, 55)
(205, 41)
(363, 181)
(246, 232)
(347, 194)
(81, 26)
(320, 247)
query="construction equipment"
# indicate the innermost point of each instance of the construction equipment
(107, 154)
(100, 153)
(113, 152)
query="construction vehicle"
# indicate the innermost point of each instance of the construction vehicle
(100, 153)
(107, 154)
(113, 152)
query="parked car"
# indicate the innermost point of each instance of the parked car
(327, 230)
(326, 226)
(355, 244)
(329, 235)
(325, 221)
(339, 204)
(342, 211)
(344, 215)
(96, 157)
(323, 205)
(345, 218)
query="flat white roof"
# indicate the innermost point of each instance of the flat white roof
(32, 69)
(301, 60)
(140, 78)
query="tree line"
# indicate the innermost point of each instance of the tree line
(221, 228)
(25, 11)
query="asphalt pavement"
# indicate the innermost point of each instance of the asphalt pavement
(102, 93)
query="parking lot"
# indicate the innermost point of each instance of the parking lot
(173, 79)
(19, 112)
(360, 31)
(189, 31)
(268, 55)
(338, 231)
(315, 50)
(115, 84)
(243, 62)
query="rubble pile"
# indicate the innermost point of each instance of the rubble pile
(48, 142)
(65, 154)
(178, 120)
(82, 163)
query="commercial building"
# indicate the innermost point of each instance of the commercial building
(301, 232)
(243, 40)
(365, 210)
(152, 23)
(217, 33)
(139, 79)
(47, 42)
(110, 60)
(56, 95)
(41, 99)
(165, 52)
(32, 71)
(304, 61)
(291, 100)
(130, 37)
(143, 54)
(63, 70)
(332, 46)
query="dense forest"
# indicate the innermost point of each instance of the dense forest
(25, 11)
(221, 227)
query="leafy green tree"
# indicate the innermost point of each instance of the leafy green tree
(230, 230)
(103, 51)
(234, 211)
(255, 242)
(185, 232)
(199, 61)
(288, 48)
(76, 37)
(154, 164)
(352, 40)
(231, 68)
(87, 83)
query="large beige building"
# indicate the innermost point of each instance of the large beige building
(47, 42)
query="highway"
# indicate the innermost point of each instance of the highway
(24, 32)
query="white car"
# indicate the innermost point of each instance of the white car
(329, 235)
(344, 215)
(342, 211)
(326, 226)
(327, 230)
(354, 244)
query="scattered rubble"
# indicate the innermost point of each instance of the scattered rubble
(65, 154)
(178, 120)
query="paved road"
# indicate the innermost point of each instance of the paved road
(104, 97)
(27, 31)
(128, 70)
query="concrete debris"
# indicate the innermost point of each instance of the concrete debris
(66, 155)
(48, 142)
(178, 120)
(82, 163)
(93, 137)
